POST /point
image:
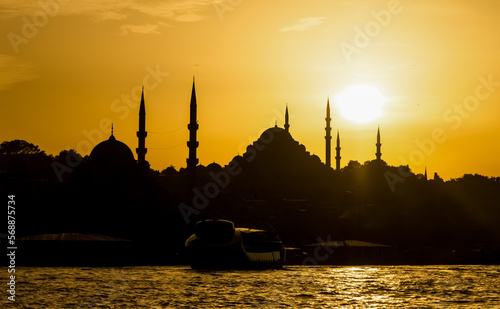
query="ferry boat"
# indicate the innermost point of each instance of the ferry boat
(217, 244)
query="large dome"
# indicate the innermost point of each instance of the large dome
(112, 152)
(274, 133)
(277, 158)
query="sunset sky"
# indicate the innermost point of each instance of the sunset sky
(68, 68)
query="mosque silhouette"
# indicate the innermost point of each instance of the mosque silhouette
(129, 213)
(275, 173)
(275, 150)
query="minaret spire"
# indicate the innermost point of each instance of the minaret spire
(337, 157)
(378, 144)
(328, 136)
(287, 124)
(141, 150)
(112, 137)
(192, 144)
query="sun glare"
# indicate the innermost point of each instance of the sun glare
(360, 103)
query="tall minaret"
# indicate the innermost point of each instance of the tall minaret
(378, 144)
(337, 157)
(141, 134)
(287, 125)
(328, 136)
(192, 144)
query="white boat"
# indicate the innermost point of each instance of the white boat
(217, 244)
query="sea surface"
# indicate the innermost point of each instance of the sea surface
(290, 287)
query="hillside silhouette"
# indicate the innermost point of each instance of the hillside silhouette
(455, 220)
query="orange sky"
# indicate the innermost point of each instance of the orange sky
(65, 66)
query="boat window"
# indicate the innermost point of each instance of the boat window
(215, 230)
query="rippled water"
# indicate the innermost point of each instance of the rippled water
(291, 287)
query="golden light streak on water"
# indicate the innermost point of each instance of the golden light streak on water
(291, 287)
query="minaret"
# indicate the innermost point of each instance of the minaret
(141, 150)
(328, 136)
(425, 173)
(287, 125)
(192, 144)
(337, 157)
(378, 144)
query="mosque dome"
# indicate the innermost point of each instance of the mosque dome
(214, 167)
(274, 133)
(112, 152)
(316, 159)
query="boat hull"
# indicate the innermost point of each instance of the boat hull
(241, 249)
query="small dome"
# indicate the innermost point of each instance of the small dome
(214, 167)
(316, 158)
(112, 152)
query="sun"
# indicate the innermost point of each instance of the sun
(360, 103)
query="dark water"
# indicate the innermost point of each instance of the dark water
(291, 287)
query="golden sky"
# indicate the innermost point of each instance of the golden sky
(68, 68)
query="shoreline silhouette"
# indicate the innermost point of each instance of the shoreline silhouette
(362, 213)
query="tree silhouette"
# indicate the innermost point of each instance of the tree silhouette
(19, 147)
(71, 154)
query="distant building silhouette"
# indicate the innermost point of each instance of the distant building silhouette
(378, 144)
(337, 157)
(328, 136)
(141, 135)
(192, 144)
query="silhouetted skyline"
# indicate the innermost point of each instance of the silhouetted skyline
(193, 144)
(68, 76)
(276, 180)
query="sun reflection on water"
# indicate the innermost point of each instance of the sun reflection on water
(292, 287)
